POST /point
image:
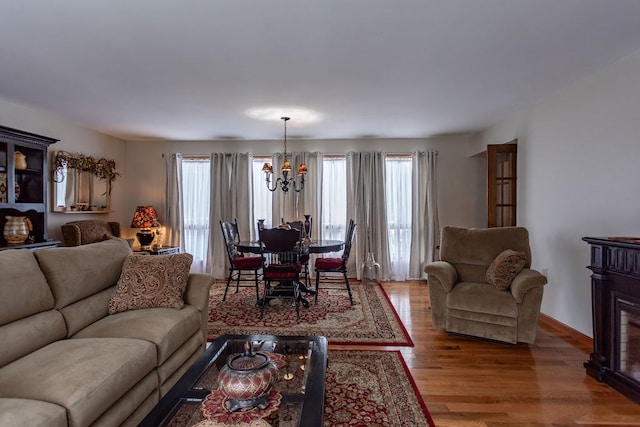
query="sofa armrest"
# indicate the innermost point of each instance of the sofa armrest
(526, 280)
(444, 272)
(197, 292)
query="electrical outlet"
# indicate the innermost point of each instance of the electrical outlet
(544, 272)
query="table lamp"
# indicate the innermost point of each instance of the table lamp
(144, 218)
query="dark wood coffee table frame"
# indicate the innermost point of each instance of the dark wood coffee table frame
(183, 391)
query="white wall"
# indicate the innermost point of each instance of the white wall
(578, 153)
(73, 139)
(141, 164)
(457, 172)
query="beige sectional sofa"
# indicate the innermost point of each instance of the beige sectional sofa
(65, 361)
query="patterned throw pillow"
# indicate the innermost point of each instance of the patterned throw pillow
(505, 267)
(150, 281)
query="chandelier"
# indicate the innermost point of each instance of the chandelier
(284, 180)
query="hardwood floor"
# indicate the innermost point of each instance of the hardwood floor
(472, 382)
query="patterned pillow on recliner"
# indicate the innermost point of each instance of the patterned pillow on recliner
(505, 267)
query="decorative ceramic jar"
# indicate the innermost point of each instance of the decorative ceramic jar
(246, 379)
(16, 229)
(20, 160)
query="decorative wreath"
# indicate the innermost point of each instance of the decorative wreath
(104, 169)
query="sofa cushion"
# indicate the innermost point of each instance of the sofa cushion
(505, 267)
(26, 335)
(167, 328)
(149, 281)
(481, 298)
(85, 376)
(32, 413)
(77, 272)
(23, 288)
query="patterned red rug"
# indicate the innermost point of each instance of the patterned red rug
(363, 389)
(370, 320)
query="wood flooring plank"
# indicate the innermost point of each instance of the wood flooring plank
(470, 382)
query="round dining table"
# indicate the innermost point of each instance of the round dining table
(315, 246)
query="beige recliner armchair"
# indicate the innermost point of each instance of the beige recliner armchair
(83, 232)
(462, 299)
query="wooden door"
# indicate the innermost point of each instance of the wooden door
(502, 164)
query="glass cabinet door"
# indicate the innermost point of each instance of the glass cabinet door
(29, 174)
(3, 173)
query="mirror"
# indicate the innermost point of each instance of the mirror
(81, 183)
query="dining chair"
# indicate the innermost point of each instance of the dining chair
(241, 268)
(337, 265)
(299, 225)
(281, 255)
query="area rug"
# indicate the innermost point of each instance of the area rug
(363, 389)
(371, 320)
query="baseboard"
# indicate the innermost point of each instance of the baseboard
(562, 329)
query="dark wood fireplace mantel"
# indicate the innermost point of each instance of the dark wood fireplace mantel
(615, 300)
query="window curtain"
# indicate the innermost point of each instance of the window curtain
(230, 191)
(174, 224)
(366, 204)
(310, 200)
(425, 231)
(196, 183)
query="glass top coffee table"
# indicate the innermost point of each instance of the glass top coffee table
(296, 399)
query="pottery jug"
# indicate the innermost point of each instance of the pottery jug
(16, 229)
(246, 379)
(20, 160)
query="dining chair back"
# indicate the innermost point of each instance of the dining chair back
(241, 268)
(281, 255)
(337, 265)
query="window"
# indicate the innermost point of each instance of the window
(398, 191)
(334, 197)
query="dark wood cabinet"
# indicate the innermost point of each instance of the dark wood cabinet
(615, 295)
(23, 183)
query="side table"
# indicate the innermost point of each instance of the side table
(167, 250)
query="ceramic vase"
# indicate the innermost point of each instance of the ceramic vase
(307, 226)
(16, 229)
(370, 270)
(20, 160)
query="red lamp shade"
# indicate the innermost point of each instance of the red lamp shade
(145, 217)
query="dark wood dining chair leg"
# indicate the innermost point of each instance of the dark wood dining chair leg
(257, 290)
(297, 295)
(226, 289)
(317, 285)
(263, 302)
(346, 282)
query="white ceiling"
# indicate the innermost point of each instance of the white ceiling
(190, 69)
